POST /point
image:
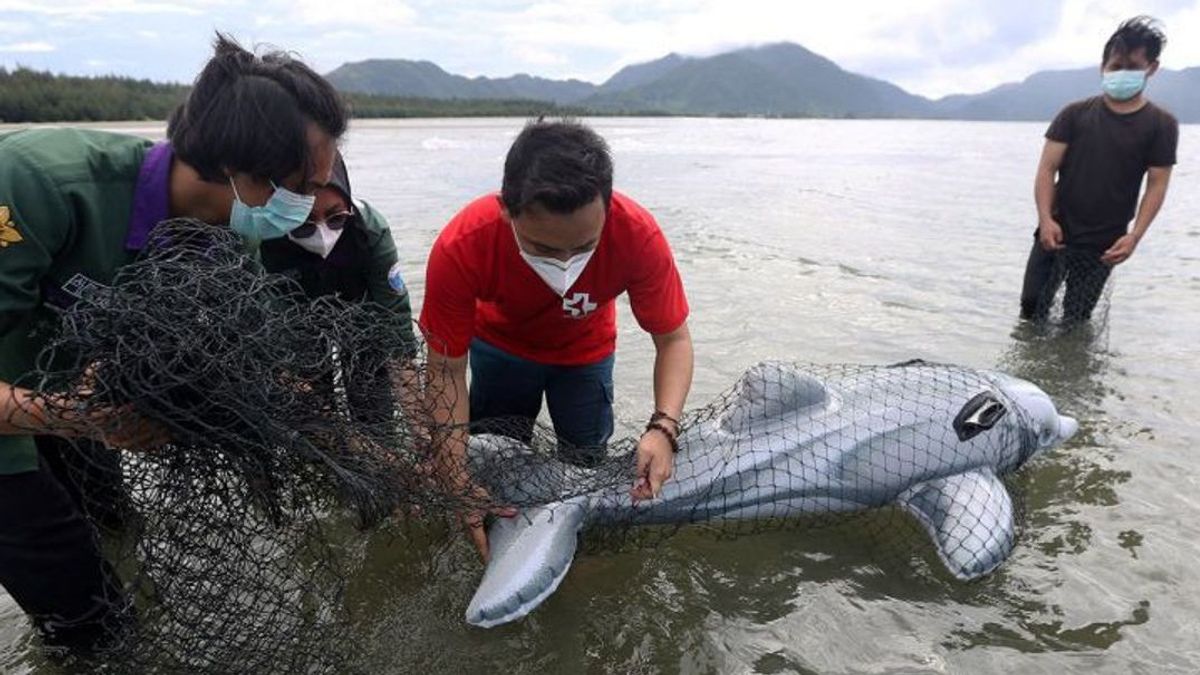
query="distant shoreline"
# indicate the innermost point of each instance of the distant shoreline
(370, 120)
(36, 97)
(29, 97)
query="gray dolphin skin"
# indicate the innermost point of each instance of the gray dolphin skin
(791, 440)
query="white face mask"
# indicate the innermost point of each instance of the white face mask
(559, 275)
(321, 241)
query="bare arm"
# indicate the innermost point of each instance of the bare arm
(406, 387)
(1157, 179)
(1049, 230)
(19, 412)
(673, 366)
(23, 412)
(449, 405)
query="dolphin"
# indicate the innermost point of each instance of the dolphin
(787, 440)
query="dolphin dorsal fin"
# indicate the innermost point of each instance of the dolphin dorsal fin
(970, 518)
(770, 390)
(530, 555)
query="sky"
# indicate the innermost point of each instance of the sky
(929, 47)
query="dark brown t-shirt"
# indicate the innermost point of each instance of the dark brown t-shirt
(1101, 174)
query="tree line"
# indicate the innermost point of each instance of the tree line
(28, 95)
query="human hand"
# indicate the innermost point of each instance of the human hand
(1120, 251)
(119, 428)
(481, 504)
(473, 503)
(1050, 235)
(655, 463)
(125, 429)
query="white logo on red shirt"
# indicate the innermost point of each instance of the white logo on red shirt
(578, 305)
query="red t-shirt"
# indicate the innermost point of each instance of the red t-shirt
(478, 285)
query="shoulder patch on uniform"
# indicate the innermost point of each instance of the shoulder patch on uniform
(396, 280)
(9, 234)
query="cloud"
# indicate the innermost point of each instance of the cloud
(1083, 27)
(381, 14)
(930, 47)
(11, 28)
(538, 56)
(27, 48)
(100, 7)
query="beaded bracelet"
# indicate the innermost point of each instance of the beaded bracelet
(660, 415)
(655, 426)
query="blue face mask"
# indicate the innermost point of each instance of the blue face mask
(283, 212)
(1123, 85)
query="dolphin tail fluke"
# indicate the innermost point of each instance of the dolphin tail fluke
(530, 555)
(970, 518)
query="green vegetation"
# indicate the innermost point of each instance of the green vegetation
(781, 80)
(367, 105)
(33, 96)
(422, 79)
(777, 80)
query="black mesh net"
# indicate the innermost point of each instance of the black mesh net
(281, 422)
(296, 424)
(1068, 289)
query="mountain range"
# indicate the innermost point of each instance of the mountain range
(782, 79)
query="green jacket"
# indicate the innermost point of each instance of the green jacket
(65, 202)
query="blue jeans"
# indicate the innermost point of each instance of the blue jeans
(510, 387)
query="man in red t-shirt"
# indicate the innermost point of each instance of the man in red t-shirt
(523, 284)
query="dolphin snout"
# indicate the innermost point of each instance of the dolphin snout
(1067, 426)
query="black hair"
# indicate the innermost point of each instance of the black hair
(1134, 34)
(561, 165)
(250, 114)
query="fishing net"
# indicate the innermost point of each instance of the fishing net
(297, 424)
(283, 423)
(1068, 289)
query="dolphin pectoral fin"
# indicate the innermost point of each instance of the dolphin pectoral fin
(970, 518)
(530, 555)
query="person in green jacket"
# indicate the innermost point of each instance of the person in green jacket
(253, 142)
(345, 249)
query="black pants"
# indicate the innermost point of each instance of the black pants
(91, 474)
(50, 558)
(1082, 271)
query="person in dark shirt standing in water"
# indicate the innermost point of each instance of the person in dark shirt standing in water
(1100, 148)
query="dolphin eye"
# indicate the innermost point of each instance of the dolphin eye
(978, 415)
(1046, 437)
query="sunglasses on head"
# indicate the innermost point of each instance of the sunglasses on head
(335, 222)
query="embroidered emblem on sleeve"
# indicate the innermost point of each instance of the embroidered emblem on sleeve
(8, 229)
(396, 280)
